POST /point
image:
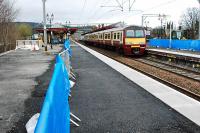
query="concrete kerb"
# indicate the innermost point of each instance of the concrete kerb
(4, 53)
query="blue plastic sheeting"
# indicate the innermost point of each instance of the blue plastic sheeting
(164, 43)
(55, 114)
(67, 46)
(193, 45)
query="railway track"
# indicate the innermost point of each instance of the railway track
(181, 79)
(173, 85)
(188, 73)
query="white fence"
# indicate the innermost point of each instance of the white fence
(28, 44)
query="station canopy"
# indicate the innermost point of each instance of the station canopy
(57, 28)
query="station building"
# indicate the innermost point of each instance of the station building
(56, 33)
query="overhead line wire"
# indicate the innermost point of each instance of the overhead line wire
(82, 10)
(98, 9)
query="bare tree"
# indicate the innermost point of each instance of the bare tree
(7, 16)
(190, 21)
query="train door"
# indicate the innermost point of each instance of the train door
(103, 38)
(121, 38)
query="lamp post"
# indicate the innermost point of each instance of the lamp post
(45, 27)
(68, 23)
(68, 26)
(170, 35)
(161, 18)
(161, 21)
(146, 23)
(199, 19)
(50, 19)
(146, 27)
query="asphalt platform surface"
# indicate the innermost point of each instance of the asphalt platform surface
(107, 102)
(24, 79)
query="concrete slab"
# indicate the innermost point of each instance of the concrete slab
(18, 72)
(106, 99)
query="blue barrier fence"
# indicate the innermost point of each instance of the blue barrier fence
(55, 114)
(193, 45)
(67, 47)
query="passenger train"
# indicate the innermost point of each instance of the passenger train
(129, 40)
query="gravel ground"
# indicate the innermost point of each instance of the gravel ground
(24, 78)
(107, 102)
(191, 85)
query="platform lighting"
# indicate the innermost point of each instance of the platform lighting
(50, 19)
(68, 23)
(45, 27)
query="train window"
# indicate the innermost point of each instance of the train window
(118, 36)
(139, 33)
(108, 36)
(130, 33)
(115, 36)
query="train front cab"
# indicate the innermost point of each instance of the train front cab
(134, 42)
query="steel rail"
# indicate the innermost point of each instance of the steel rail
(169, 65)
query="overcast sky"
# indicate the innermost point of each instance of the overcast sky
(90, 11)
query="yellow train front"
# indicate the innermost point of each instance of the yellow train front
(134, 41)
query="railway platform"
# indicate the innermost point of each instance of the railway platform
(186, 56)
(111, 97)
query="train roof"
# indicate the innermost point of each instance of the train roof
(119, 29)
